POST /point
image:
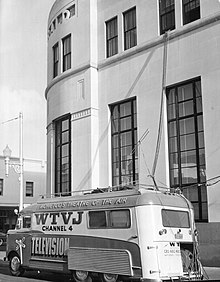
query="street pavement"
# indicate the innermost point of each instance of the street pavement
(210, 273)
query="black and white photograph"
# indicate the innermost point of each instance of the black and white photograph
(109, 140)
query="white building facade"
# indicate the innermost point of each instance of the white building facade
(132, 94)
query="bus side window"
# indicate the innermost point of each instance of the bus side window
(110, 219)
(26, 221)
(120, 219)
(97, 219)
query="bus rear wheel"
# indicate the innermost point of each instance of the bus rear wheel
(81, 276)
(107, 277)
(15, 265)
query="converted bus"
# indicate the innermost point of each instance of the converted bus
(132, 232)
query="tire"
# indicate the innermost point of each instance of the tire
(107, 277)
(81, 276)
(15, 265)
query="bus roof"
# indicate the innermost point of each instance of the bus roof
(107, 200)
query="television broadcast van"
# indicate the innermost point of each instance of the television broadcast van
(132, 232)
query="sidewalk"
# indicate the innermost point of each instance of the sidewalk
(212, 273)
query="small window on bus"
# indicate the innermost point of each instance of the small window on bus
(175, 218)
(27, 221)
(120, 219)
(97, 219)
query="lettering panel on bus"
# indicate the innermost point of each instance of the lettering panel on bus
(57, 222)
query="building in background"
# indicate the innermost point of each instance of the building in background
(132, 94)
(34, 186)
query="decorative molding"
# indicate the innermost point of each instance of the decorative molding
(81, 114)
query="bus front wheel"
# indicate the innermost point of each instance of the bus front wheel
(15, 265)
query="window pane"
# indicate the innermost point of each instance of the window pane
(171, 111)
(130, 36)
(67, 53)
(172, 129)
(126, 139)
(203, 193)
(97, 219)
(178, 219)
(115, 125)
(201, 140)
(205, 211)
(125, 109)
(115, 181)
(198, 88)
(191, 193)
(116, 169)
(127, 167)
(29, 189)
(120, 219)
(65, 125)
(115, 112)
(185, 92)
(202, 157)
(173, 160)
(27, 222)
(125, 123)
(65, 136)
(167, 15)
(115, 141)
(173, 144)
(112, 37)
(199, 104)
(196, 210)
(189, 175)
(115, 155)
(171, 96)
(187, 142)
(188, 158)
(200, 123)
(186, 108)
(202, 173)
(65, 150)
(126, 153)
(191, 11)
(174, 177)
(187, 126)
